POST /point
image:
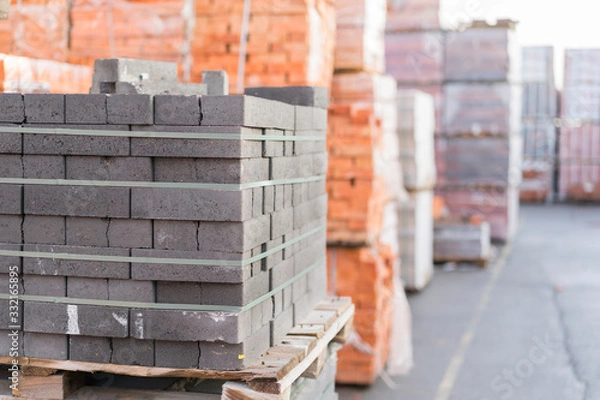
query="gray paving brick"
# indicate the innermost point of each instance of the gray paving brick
(236, 295)
(304, 118)
(179, 292)
(277, 257)
(316, 189)
(311, 96)
(132, 352)
(12, 107)
(281, 273)
(197, 148)
(281, 325)
(87, 288)
(133, 109)
(45, 108)
(130, 233)
(176, 235)
(86, 201)
(40, 345)
(310, 210)
(172, 354)
(261, 315)
(131, 70)
(77, 145)
(217, 82)
(279, 198)
(10, 142)
(319, 164)
(191, 204)
(211, 170)
(85, 109)
(76, 319)
(109, 168)
(288, 196)
(91, 269)
(44, 230)
(11, 199)
(282, 222)
(10, 229)
(152, 88)
(192, 273)
(129, 290)
(11, 166)
(268, 199)
(273, 148)
(176, 110)
(7, 262)
(43, 167)
(87, 231)
(292, 167)
(299, 290)
(246, 111)
(288, 147)
(90, 349)
(257, 202)
(234, 236)
(44, 285)
(319, 119)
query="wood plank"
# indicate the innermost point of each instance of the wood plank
(344, 334)
(338, 304)
(312, 330)
(52, 387)
(241, 391)
(105, 393)
(320, 317)
(314, 370)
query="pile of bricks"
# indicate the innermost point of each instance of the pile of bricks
(416, 125)
(579, 171)
(167, 230)
(540, 109)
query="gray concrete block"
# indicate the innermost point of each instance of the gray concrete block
(43, 167)
(151, 88)
(44, 108)
(257, 202)
(175, 235)
(176, 110)
(273, 148)
(288, 196)
(77, 145)
(261, 314)
(281, 273)
(87, 231)
(85, 109)
(76, 319)
(281, 325)
(233, 236)
(91, 269)
(288, 146)
(317, 189)
(299, 290)
(90, 349)
(131, 70)
(275, 258)
(179, 292)
(236, 295)
(7, 344)
(319, 121)
(311, 96)
(40, 345)
(268, 199)
(44, 285)
(173, 354)
(133, 109)
(11, 142)
(129, 290)
(211, 170)
(310, 211)
(239, 110)
(10, 317)
(45, 230)
(217, 82)
(7, 262)
(282, 222)
(304, 118)
(11, 166)
(11, 199)
(197, 148)
(191, 273)
(279, 197)
(109, 168)
(319, 163)
(129, 233)
(85, 201)
(132, 352)
(191, 204)
(292, 167)
(187, 326)
(87, 288)
(224, 356)
(10, 229)
(12, 108)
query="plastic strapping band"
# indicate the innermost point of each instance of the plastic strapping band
(156, 260)
(164, 306)
(160, 185)
(160, 135)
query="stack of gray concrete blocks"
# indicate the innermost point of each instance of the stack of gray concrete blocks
(150, 223)
(323, 386)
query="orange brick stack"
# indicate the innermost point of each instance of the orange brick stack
(289, 43)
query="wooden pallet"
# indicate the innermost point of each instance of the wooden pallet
(300, 354)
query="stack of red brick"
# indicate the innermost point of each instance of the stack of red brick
(579, 169)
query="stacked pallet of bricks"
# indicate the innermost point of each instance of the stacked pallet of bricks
(416, 126)
(364, 185)
(479, 151)
(540, 109)
(169, 231)
(579, 171)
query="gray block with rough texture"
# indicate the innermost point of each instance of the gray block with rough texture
(273, 148)
(190, 204)
(87, 288)
(11, 199)
(109, 168)
(131, 70)
(130, 233)
(87, 231)
(11, 166)
(133, 109)
(310, 211)
(268, 199)
(257, 202)
(179, 292)
(130, 290)
(172, 354)
(10, 142)
(132, 352)
(90, 349)
(150, 88)
(281, 325)
(211, 170)
(44, 230)
(91, 269)
(7, 262)
(239, 110)
(176, 110)
(292, 167)
(282, 222)
(77, 145)
(261, 315)
(279, 197)
(236, 295)
(10, 229)
(217, 82)
(82, 320)
(310, 96)
(43, 167)
(48, 346)
(224, 356)
(86, 109)
(175, 235)
(233, 236)
(44, 108)
(12, 107)
(86, 201)
(44, 285)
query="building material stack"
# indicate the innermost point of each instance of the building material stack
(364, 187)
(579, 172)
(169, 231)
(416, 126)
(481, 145)
(540, 110)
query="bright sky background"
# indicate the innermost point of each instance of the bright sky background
(563, 24)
